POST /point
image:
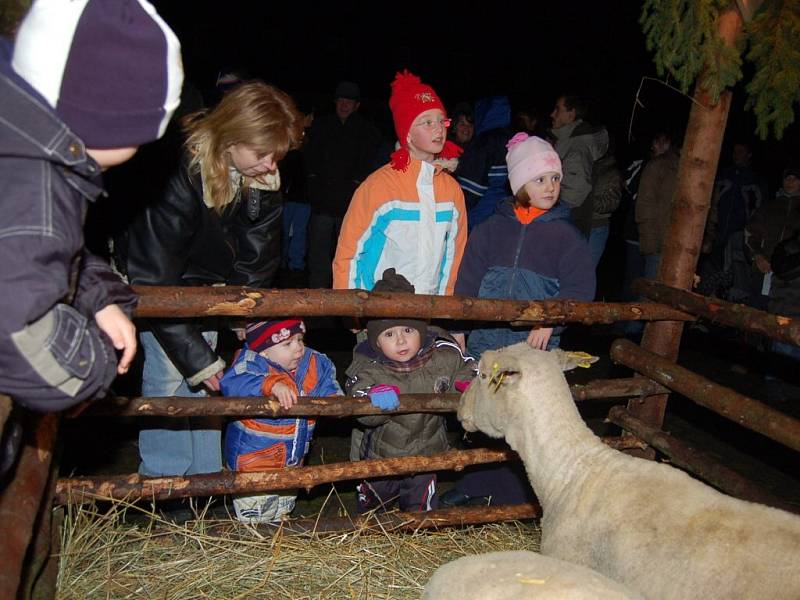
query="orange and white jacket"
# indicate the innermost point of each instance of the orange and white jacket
(413, 220)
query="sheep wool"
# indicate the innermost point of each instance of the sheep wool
(646, 525)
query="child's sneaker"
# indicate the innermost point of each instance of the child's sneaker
(256, 509)
(367, 498)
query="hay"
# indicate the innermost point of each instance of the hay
(109, 554)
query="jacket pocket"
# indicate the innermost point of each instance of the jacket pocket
(58, 348)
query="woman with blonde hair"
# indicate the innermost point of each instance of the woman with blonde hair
(217, 222)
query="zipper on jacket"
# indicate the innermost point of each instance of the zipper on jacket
(518, 251)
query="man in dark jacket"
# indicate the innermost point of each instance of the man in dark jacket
(339, 153)
(73, 104)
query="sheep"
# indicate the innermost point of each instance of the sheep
(523, 574)
(646, 525)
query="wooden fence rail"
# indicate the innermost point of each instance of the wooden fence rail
(135, 487)
(336, 406)
(157, 301)
(724, 401)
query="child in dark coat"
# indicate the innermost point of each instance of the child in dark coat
(402, 356)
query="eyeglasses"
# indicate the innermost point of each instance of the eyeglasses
(431, 124)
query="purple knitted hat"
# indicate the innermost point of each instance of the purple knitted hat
(111, 69)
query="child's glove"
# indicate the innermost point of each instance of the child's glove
(463, 386)
(384, 396)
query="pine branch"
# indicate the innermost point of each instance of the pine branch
(774, 38)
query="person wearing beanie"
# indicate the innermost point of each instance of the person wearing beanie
(482, 171)
(217, 221)
(86, 84)
(402, 356)
(338, 155)
(410, 213)
(274, 362)
(528, 250)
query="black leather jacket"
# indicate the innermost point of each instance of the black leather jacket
(178, 240)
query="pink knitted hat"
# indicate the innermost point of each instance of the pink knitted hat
(527, 158)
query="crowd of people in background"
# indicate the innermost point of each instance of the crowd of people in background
(480, 198)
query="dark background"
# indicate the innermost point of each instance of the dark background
(528, 51)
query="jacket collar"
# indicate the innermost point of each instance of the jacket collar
(29, 128)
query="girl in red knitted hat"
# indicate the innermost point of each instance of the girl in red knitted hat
(410, 213)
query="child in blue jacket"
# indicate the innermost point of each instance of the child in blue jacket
(528, 250)
(274, 362)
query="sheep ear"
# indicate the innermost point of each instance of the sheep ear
(503, 370)
(568, 360)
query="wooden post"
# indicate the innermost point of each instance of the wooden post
(696, 174)
(21, 501)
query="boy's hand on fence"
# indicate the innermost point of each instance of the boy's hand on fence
(285, 395)
(121, 331)
(384, 396)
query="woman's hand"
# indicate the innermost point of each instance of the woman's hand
(461, 340)
(285, 395)
(121, 331)
(762, 264)
(212, 383)
(538, 338)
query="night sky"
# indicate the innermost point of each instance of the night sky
(466, 50)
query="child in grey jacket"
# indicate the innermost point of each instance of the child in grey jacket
(402, 356)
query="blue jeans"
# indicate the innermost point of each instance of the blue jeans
(785, 349)
(651, 263)
(295, 226)
(597, 243)
(177, 447)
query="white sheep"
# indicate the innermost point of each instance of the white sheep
(641, 523)
(523, 574)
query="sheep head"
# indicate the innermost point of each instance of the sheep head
(492, 399)
(508, 382)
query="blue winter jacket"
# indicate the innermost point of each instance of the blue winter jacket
(547, 258)
(482, 172)
(261, 444)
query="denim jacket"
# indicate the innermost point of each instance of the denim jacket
(52, 354)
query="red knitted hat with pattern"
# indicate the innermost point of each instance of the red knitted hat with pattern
(265, 334)
(410, 97)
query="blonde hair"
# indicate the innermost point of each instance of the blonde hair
(253, 113)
